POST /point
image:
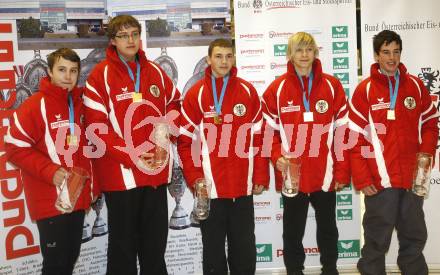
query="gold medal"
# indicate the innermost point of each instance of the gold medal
(72, 140)
(137, 97)
(218, 119)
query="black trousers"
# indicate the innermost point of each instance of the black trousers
(138, 229)
(60, 242)
(294, 224)
(231, 219)
(394, 208)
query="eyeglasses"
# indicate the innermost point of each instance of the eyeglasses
(126, 37)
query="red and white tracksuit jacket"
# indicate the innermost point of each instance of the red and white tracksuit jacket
(226, 154)
(313, 142)
(385, 152)
(109, 103)
(36, 143)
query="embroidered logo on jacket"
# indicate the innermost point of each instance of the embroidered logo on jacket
(239, 109)
(409, 102)
(154, 90)
(321, 106)
(124, 95)
(210, 113)
(381, 105)
(290, 108)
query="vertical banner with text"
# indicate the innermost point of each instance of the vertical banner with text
(418, 24)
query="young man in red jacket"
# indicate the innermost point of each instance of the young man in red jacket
(42, 132)
(395, 118)
(129, 96)
(220, 143)
(307, 109)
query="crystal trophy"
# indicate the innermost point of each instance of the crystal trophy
(201, 199)
(422, 174)
(71, 189)
(179, 218)
(161, 136)
(291, 178)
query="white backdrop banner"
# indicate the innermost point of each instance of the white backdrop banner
(418, 24)
(261, 31)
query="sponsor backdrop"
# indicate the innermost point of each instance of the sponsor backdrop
(420, 31)
(19, 239)
(261, 31)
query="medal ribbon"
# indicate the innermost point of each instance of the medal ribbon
(218, 103)
(71, 115)
(130, 72)
(393, 94)
(306, 100)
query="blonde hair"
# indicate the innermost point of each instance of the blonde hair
(300, 40)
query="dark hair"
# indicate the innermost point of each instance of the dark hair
(220, 42)
(65, 53)
(385, 37)
(120, 21)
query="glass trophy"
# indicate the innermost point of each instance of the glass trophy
(201, 208)
(71, 189)
(422, 174)
(161, 135)
(291, 178)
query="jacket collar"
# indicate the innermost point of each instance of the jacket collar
(377, 75)
(48, 89)
(112, 56)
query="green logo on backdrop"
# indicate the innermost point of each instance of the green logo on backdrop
(340, 32)
(340, 47)
(340, 63)
(344, 214)
(343, 77)
(279, 49)
(349, 249)
(264, 252)
(343, 199)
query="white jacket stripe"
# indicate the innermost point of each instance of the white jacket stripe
(160, 73)
(271, 122)
(356, 111)
(251, 162)
(328, 176)
(417, 85)
(127, 174)
(88, 102)
(206, 164)
(246, 88)
(17, 142)
(380, 161)
(50, 145)
(20, 128)
(284, 141)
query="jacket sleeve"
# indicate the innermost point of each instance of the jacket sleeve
(97, 112)
(270, 114)
(189, 142)
(341, 168)
(358, 123)
(429, 122)
(25, 130)
(261, 163)
(173, 102)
